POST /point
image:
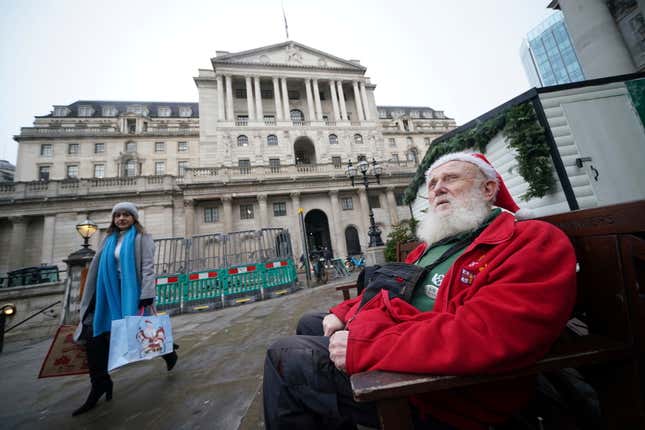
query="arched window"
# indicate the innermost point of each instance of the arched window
(358, 139)
(242, 140)
(272, 139)
(297, 115)
(333, 139)
(131, 168)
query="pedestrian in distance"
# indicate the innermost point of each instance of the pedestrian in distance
(120, 282)
(493, 295)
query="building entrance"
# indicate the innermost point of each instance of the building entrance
(317, 228)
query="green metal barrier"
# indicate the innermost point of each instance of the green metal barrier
(216, 286)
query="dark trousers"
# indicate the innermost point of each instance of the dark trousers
(304, 390)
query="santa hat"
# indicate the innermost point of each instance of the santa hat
(503, 199)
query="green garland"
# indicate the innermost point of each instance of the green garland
(523, 132)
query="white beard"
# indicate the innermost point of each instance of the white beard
(466, 214)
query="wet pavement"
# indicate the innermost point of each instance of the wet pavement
(216, 383)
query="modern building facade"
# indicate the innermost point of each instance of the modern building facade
(548, 55)
(272, 132)
(608, 35)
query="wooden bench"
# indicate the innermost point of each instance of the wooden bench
(610, 249)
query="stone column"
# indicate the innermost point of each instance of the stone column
(341, 101)
(365, 217)
(296, 238)
(334, 100)
(220, 99)
(228, 213)
(285, 100)
(310, 100)
(366, 105)
(357, 99)
(276, 98)
(262, 203)
(229, 99)
(596, 38)
(17, 242)
(189, 217)
(391, 206)
(340, 247)
(249, 98)
(47, 247)
(319, 113)
(259, 114)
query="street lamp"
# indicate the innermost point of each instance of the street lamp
(377, 170)
(6, 310)
(86, 229)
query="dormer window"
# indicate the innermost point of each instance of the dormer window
(185, 111)
(138, 109)
(414, 114)
(61, 111)
(109, 111)
(85, 110)
(163, 111)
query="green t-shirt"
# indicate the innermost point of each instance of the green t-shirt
(424, 296)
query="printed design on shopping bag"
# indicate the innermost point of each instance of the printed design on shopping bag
(151, 338)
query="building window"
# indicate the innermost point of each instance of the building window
(358, 139)
(297, 115)
(85, 110)
(73, 149)
(72, 171)
(347, 203)
(160, 146)
(131, 147)
(374, 202)
(182, 146)
(99, 148)
(272, 139)
(274, 165)
(242, 140)
(336, 162)
(398, 197)
(43, 173)
(61, 111)
(160, 168)
(361, 157)
(138, 110)
(109, 111)
(279, 209)
(181, 168)
(391, 141)
(245, 166)
(294, 95)
(395, 158)
(246, 211)
(130, 168)
(211, 215)
(267, 94)
(322, 95)
(46, 150)
(185, 111)
(99, 170)
(240, 93)
(412, 155)
(163, 111)
(426, 141)
(333, 139)
(131, 125)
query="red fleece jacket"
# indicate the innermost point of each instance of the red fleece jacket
(500, 306)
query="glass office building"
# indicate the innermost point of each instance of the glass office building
(548, 54)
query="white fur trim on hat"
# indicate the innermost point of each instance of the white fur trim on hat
(126, 206)
(468, 157)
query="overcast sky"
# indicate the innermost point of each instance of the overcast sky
(459, 56)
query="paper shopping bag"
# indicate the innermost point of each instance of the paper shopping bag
(64, 356)
(137, 338)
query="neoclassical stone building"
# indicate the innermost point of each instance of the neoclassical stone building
(273, 131)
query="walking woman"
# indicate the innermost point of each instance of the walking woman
(120, 281)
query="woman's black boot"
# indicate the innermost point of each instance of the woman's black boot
(97, 360)
(171, 357)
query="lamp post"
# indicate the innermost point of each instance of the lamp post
(376, 170)
(86, 229)
(6, 311)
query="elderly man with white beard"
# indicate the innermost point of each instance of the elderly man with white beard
(496, 294)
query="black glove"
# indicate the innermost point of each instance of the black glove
(146, 302)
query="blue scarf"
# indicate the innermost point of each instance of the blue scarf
(116, 297)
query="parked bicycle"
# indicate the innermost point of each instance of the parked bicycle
(353, 262)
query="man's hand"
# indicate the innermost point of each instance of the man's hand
(331, 324)
(338, 349)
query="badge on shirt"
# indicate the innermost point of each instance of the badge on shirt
(431, 291)
(467, 276)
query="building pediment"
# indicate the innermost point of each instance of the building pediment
(289, 54)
